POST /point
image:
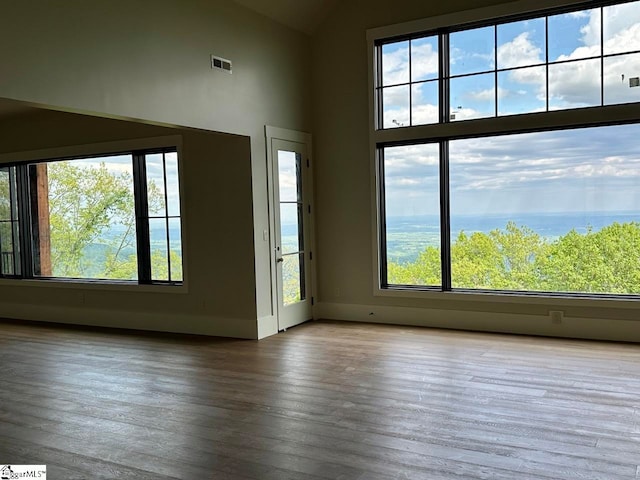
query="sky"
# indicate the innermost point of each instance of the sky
(568, 171)
(124, 164)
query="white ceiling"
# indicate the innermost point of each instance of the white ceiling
(301, 15)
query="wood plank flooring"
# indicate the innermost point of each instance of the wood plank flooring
(325, 400)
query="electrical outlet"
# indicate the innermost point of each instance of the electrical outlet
(557, 316)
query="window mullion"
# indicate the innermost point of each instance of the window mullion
(445, 217)
(24, 221)
(143, 241)
(444, 100)
(382, 221)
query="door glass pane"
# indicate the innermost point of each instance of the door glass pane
(173, 185)
(473, 97)
(472, 51)
(158, 246)
(155, 185)
(622, 79)
(412, 214)
(290, 228)
(293, 287)
(289, 176)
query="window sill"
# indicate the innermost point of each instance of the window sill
(522, 298)
(104, 285)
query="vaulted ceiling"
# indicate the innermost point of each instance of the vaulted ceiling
(302, 15)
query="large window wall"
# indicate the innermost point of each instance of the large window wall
(506, 154)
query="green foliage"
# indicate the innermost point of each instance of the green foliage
(92, 223)
(85, 202)
(517, 258)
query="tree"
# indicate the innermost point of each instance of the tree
(604, 261)
(92, 221)
(517, 258)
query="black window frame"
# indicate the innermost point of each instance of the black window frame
(28, 231)
(446, 130)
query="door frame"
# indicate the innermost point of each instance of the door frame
(276, 133)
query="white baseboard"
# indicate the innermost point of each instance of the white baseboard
(571, 327)
(159, 322)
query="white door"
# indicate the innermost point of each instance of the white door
(292, 212)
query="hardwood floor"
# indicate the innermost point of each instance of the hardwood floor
(324, 400)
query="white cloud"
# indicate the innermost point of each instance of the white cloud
(519, 52)
(425, 61)
(395, 66)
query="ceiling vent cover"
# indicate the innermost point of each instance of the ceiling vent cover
(219, 63)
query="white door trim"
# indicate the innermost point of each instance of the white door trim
(276, 133)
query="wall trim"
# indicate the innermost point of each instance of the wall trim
(515, 323)
(186, 323)
(267, 326)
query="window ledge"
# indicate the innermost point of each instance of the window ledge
(522, 298)
(104, 285)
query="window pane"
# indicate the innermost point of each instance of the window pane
(85, 218)
(553, 211)
(155, 185)
(293, 279)
(289, 176)
(522, 91)
(292, 239)
(395, 101)
(173, 184)
(412, 206)
(158, 244)
(622, 79)
(473, 97)
(6, 248)
(424, 59)
(521, 44)
(574, 84)
(175, 247)
(621, 28)
(574, 35)
(472, 51)
(5, 195)
(395, 63)
(424, 108)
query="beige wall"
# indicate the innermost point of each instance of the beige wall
(150, 60)
(217, 216)
(344, 197)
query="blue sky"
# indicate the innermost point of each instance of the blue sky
(563, 171)
(566, 171)
(123, 164)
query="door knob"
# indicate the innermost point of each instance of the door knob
(280, 260)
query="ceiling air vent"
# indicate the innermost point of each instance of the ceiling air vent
(634, 82)
(218, 63)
